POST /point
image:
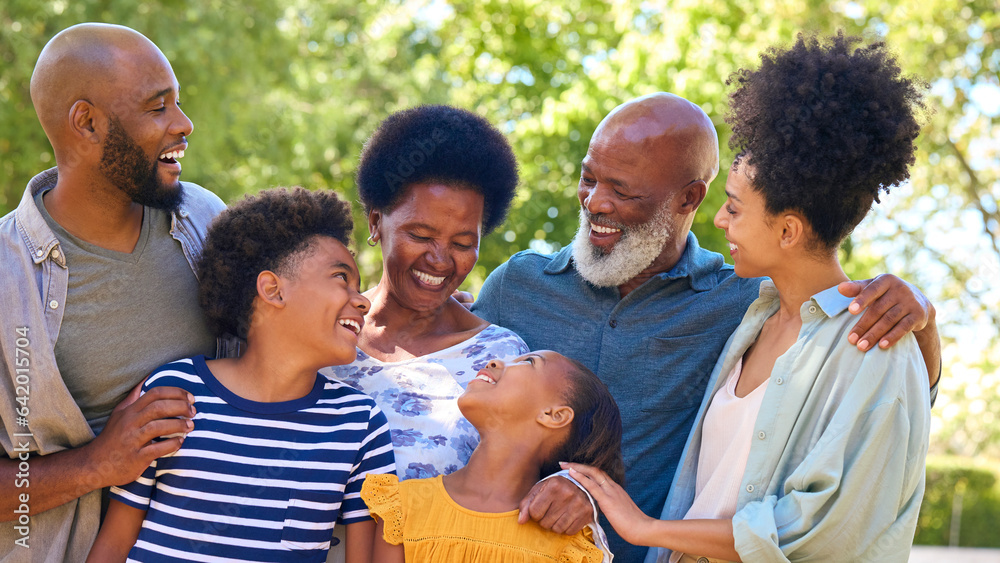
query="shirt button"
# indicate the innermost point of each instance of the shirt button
(812, 308)
(55, 253)
(749, 488)
(39, 252)
(761, 435)
(53, 304)
(703, 560)
(779, 380)
(613, 323)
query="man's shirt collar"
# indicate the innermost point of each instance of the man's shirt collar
(35, 232)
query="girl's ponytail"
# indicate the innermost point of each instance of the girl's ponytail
(595, 436)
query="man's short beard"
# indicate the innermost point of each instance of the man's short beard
(633, 253)
(124, 163)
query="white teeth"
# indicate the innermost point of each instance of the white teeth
(172, 155)
(732, 247)
(351, 324)
(603, 230)
(481, 377)
(428, 279)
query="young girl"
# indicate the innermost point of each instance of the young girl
(806, 448)
(530, 413)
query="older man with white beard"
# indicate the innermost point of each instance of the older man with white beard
(639, 302)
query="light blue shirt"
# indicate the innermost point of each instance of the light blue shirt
(836, 468)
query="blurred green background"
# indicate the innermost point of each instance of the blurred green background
(286, 93)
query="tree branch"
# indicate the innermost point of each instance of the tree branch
(973, 188)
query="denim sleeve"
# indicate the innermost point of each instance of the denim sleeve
(934, 388)
(488, 305)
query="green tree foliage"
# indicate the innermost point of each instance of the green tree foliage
(942, 230)
(961, 504)
(285, 93)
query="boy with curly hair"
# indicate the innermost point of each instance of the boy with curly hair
(276, 453)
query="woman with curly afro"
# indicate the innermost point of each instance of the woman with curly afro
(276, 453)
(805, 447)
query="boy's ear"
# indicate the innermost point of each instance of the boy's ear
(269, 287)
(556, 417)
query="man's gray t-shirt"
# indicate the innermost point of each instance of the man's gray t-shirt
(107, 343)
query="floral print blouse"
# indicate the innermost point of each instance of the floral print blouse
(430, 437)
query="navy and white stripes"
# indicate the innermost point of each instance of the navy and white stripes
(258, 481)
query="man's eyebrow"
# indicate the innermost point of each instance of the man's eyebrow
(159, 94)
(619, 183)
(614, 181)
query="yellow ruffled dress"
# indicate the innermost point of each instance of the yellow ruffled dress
(432, 527)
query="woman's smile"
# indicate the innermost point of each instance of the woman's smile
(428, 279)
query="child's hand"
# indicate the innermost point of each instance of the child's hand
(626, 518)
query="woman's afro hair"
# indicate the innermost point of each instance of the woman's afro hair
(826, 126)
(262, 232)
(440, 144)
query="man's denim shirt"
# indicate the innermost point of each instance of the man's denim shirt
(654, 348)
(33, 287)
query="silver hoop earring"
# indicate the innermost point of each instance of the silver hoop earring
(371, 240)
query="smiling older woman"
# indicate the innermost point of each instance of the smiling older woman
(433, 180)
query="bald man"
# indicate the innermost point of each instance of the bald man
(97, 288)
(636, 300)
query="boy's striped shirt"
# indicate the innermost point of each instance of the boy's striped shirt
(257, 481)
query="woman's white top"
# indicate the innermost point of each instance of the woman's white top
(725, 447)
